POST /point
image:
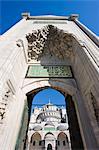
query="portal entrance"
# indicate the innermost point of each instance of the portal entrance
(75, 135)
(74, 130)
(49, 147)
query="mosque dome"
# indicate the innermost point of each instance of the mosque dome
(49, 113)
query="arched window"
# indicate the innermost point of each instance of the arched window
(40, 143)
(64, 143)
(58, 142)
(31, 140)
(34, 143)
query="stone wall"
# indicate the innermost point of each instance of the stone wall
(14, 86)
(86, 75)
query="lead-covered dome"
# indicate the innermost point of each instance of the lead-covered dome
(49, 113)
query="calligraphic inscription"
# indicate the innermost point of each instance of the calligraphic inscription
(49, 71)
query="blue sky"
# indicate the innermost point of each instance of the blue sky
(45, 95)
(87, 9)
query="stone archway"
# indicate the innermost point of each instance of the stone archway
(50, 141)
(68, 92)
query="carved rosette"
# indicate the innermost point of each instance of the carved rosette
(49, 40)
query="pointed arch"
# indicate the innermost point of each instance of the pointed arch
(35, 141)
(36, 136)
(62, 141)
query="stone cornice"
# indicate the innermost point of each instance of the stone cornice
(27, 16)
(89, 33)
(72, 17)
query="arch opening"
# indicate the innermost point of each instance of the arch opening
(49, 147)
(62, 141)
(50, 141)
(72, 120)
(35, 141)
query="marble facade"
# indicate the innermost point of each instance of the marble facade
(49, 40)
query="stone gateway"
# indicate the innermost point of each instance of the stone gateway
(49, 51)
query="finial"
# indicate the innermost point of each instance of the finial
(25, 15)
(73, 17)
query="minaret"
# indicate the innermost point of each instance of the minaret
(49, 101)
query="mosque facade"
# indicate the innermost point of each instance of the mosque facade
(48, 129)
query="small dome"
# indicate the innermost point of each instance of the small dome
(37, 128)
(61, 128)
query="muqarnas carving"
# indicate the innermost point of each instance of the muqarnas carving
(49, 40)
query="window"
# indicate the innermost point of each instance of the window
(67, 139)
(33, 143)
(64, 143)
(58, 142)
(40, 143)
(31, 140)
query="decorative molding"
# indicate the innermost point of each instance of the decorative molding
(50, 22)
(49, 41)
(27, 16)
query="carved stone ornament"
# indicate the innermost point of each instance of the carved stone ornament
(49, 40)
